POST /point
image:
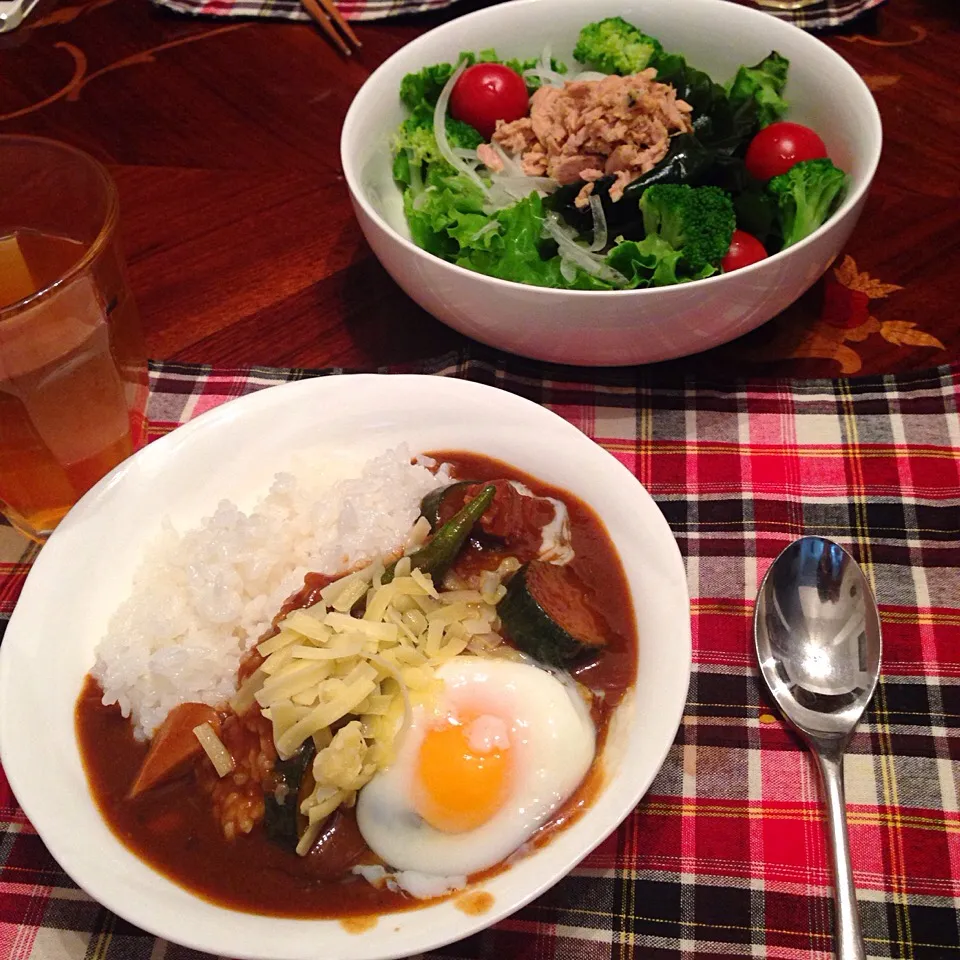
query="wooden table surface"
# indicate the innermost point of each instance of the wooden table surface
(224, 139)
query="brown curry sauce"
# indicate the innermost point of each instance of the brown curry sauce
(173, 829)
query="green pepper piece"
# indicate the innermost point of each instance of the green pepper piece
(438, 555)
(431, 503)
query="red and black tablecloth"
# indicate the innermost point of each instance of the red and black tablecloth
(727, 854)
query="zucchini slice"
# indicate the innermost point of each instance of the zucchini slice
(545, 613)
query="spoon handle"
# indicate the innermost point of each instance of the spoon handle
(847, 935)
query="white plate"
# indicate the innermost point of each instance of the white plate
(85, 570)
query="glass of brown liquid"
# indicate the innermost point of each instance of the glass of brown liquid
(786, 4)
(73, 373)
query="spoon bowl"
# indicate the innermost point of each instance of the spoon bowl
(817, 633)
(818, 640)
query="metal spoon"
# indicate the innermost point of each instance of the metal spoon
(817, 632)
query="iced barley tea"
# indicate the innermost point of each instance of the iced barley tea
(73, 378)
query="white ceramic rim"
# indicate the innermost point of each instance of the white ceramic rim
(111, 874)
(497, 12)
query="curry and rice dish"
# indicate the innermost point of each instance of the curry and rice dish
(430, 702)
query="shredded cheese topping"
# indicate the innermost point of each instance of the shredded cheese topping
(325, 665)
(213, 746)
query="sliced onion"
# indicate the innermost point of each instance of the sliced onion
(511, 166)
(599, 224)
(466, 154)
(545, 58)
(497, 199)
(545, 72)
(506, 188)
(582, 257)
(500, 198)
(550, 77)
(440, 129)
(588, 76)
(520, 187)
(568, 270)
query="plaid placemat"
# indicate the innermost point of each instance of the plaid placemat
(293, 9)
(726, 856)
(820, 15)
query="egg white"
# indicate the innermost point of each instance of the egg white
(552, 746)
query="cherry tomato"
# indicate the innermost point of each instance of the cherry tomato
(775, 149)
(744, 250)
(486, 93)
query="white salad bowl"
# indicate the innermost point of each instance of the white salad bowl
(615, 327)
(87, 567)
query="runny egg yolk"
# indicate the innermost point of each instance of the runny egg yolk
(463, 773)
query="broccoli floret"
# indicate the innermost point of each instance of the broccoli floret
(415, 144)
(764, 84)
(615, 46)
(806, 196)
(418, 143)
(461, 134)
(698, 222)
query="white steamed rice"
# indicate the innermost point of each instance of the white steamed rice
(201, 599)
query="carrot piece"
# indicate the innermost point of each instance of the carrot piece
(173, 746)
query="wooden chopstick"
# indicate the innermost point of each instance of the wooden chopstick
(331, 7)
(322, 12)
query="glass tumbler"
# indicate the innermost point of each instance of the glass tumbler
(787, 5)
(73, 372)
